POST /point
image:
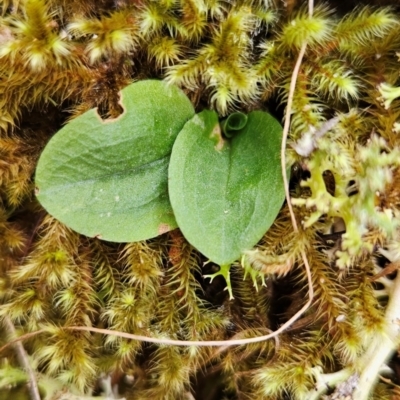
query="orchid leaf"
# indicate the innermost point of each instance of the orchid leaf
(108, 178)
(226, 192)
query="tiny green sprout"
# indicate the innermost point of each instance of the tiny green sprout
(235, 122)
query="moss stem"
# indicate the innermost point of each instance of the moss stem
(382, 347)
(323, 382)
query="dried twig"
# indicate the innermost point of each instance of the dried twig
(389, 269)
(23, 359)
(285, 180)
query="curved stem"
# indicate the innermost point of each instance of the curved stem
(286, 133)
(283, 167)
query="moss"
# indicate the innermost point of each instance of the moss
(60, 58)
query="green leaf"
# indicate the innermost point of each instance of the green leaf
(226, 193)
(108, 178)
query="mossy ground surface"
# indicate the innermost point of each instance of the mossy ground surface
(60, 58)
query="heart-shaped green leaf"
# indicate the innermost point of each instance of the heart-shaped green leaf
(108, 178)
(226, 193)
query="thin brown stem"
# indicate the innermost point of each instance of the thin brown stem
(284, 175)
(23, 360)
(285, 133)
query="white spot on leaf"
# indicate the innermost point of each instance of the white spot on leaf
(198, 121)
